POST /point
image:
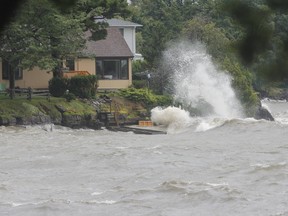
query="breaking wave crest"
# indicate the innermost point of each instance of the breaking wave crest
(174, 118)
(177, 120)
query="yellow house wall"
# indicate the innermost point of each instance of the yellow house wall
(113, 84)
(35, 78)
(86, 64)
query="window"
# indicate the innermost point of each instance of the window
(7, 68)
(70, 63)
(124, 69)
(116, 69)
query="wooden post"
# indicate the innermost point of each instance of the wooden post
(29, 94)
(11, 93)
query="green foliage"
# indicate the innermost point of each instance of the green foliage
(69, 97)
(161, 23)
(242, 83)
(58, 86)
(164, 100)
(146, 97)
(44, 41)
(83, 86)
(139, 83)
(22, 108)
(138, 95)
(199, 29)
(139, 66)
(80, 86)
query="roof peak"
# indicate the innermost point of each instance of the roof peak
(114, 45)
(116, 22)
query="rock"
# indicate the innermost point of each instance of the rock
(263, 113)
(41, 119)
(95, 124)
(32, 120)
(60, 108)
(57, 120)
(81, 121)
(73, 121)
(7, 121)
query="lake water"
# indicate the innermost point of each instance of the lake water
(208, 166)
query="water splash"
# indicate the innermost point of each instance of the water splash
(174, 118)
(198, 84)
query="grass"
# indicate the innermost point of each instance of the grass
(21, 107)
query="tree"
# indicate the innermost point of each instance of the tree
(198, 29)
(40, 36)
(43, 34)
(162, 22)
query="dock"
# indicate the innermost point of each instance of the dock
(138, 130)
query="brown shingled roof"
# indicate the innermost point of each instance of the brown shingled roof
(114, 45)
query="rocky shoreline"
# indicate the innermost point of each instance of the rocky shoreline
(77, 114)
(74, 114)
(68, 120)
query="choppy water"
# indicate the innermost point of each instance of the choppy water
(206, 167)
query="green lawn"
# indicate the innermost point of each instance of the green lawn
(21, 107)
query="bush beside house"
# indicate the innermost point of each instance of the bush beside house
(80, 86)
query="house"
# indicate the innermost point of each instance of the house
(110, 59)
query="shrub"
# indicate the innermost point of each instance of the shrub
(69, 97)
(80, 86)
(139, 66)
(83, 86)
(139, 84)
(146, 96)
(242, 83)
(138, 95)
(164, 100)
(58, 86)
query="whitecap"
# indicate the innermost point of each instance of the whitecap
(262, 166)
(96, 193)
(210, 123)
(107, 202)
(217, 184)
